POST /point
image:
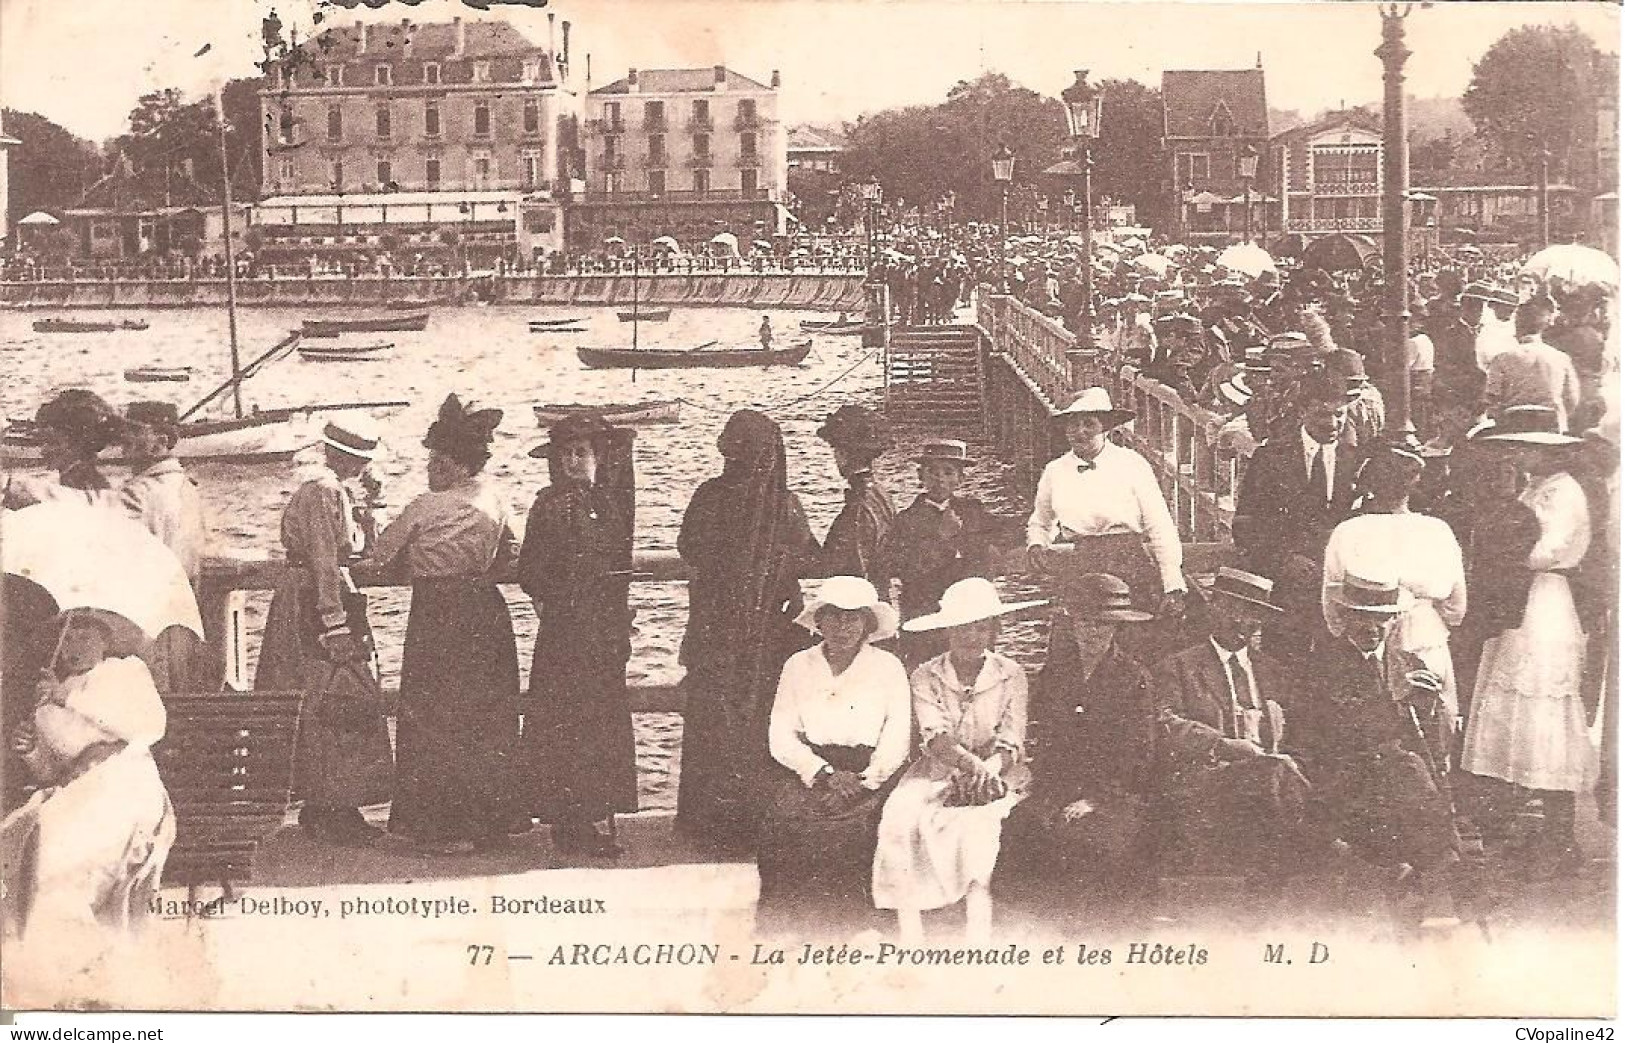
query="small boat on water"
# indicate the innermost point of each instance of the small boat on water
(158, 374)
(840, 325)
(404, 323)
(624, 414)
(87, 325)
(406, 305)
(574, 320)
(644, 315)
(558, 329)
(692, 358)
(345, 352)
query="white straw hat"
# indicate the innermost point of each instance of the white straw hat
(968, 601)
(354, 435)
(1095, 401)
(851, 593)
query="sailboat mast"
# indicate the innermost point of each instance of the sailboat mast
(231, 260)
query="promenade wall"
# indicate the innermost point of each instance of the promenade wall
(808, 291)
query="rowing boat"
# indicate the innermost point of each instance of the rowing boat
(644, 315)
(87, 326)
(157, 374)
(345, 352)
(624, 414)
(406, 323)
(667, 358)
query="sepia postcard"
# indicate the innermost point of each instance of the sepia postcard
(894, 507)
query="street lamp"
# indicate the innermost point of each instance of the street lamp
(1083, 105)
(1004, 168)
(870, 191)
(1249, 170)
(1396, 225)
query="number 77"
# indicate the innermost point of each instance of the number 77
(480, 955)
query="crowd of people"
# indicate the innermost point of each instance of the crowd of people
(1407, 656)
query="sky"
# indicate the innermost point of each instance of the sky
(82, 63)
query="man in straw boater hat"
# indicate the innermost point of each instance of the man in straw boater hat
(1094, 725)
(317, 640)
(1298, 486)
(858, 436)
(1101, 503)
(1237, 799)
(165, 500)
(940, 830)
(938, 540)
(1371, 736)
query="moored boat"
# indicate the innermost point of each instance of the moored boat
(625, 414)
(87, 325)
(558, 329)
(841, 325)
(404, 323)
(573, 320)
(157, 374)
(345, 352)
(644, 315)
(667, 358)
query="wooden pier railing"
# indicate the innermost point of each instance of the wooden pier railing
(1044, 367)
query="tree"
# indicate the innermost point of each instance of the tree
(1531, 91)
(52, 167)
(1128, 155)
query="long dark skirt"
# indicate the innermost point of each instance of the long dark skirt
(578, 761)
(459, 722)
(1388, 809)
(816, 862)
(1107, 850)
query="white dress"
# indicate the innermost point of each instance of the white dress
(1528, 722)
(1422, 551)
(929, 852)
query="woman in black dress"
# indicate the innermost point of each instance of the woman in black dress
(747, 542)
(578, 756)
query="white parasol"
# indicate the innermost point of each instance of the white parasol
(38, 218)
(1573, 267)
(90, 558)
(1246, 258)
(1155, 263)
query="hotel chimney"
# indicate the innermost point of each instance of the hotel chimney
(719, 78)
(631, 81)
(775, 80)
(566, 44)
(360, 37)
(461, 44)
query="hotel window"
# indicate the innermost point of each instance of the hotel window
(482, 119)
(654, 114)
(532, 116)
(701, 115)
(335, 75)
(338, 175)
(431, 171)
(1193, 166)
(747, 113)
(431, 72)
(747, 180)
(702, 181)
(385, 174)
(285, 172)
(284, 126)
(381, 76)
(612, 183)
(657, 182)
(747, 146)
(531, 160)
(533, 70)
(431, 119)
(335, 123)
(385, 129)
(702, 146)
(612, 115)
(482, 72)
(482, 169)
(657, 149)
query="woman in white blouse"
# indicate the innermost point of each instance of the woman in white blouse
(1387, 538)
(839, 731)
(939, 833)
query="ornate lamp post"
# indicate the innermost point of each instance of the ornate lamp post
(1249, 170)
(1396, 229)
(870, 191)
(1004, 168)
(1083, 104)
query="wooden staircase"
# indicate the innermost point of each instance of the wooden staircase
(934, 381)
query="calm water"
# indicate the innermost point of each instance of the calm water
(488, 355)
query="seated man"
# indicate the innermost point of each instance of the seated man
(1373, 745)
(1235, 801)
(1094, 726)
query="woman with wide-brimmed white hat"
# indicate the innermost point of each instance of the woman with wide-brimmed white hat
(939, 834)
(839, 732)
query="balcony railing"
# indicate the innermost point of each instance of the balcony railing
(750, 159)
(613, 162)
(715, 195)
(658, 159)
(657, 124)
(1334, 224)
(702, 160)
(751, 122)
(700, 123)
(606, 126)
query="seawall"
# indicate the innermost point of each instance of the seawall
(809, 291)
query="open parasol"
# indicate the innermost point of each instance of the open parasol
(1340, 252)
(1571, 266)
(1248, 259)
(1154, 263)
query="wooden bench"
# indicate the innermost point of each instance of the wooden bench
(227, 762)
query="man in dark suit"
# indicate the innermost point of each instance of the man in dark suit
(1372, 741)
(1235, 802)
(1294, 492)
